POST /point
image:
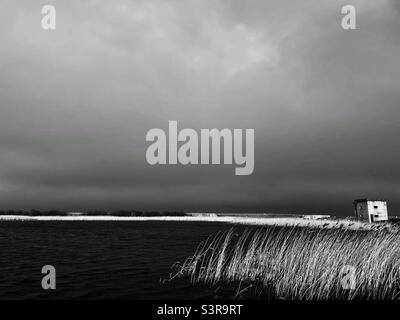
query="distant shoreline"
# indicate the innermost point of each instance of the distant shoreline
(261, 221)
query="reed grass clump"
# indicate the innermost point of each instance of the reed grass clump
(300, 263)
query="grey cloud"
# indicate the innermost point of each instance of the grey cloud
(76, 103)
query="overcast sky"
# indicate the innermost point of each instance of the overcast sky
(76, 103)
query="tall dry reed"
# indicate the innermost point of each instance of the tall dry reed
(300, 263)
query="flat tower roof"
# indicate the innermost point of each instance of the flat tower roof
(366, 200)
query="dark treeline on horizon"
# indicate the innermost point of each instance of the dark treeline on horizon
(118, 213)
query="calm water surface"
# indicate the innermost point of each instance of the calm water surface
(101, 260)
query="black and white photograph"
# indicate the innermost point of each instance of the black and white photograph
(225, 151)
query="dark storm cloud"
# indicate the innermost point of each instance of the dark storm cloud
(76, 103)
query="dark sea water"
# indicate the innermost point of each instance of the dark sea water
(101, 260)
